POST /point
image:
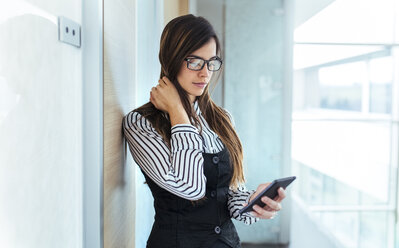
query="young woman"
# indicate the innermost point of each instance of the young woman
(187, 148)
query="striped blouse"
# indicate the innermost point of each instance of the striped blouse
(179, 169)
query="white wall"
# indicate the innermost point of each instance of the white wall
(40, 127)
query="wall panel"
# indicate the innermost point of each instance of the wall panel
(40, 127)
(119, 183)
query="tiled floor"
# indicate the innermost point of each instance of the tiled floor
(264, 246)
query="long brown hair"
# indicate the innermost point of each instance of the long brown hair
(180, 37)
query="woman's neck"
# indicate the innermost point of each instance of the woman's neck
(192, 99)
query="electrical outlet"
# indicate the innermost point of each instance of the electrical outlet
(68, 31)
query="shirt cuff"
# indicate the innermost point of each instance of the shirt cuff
(184, 128)
(249, 196)
(248, 217)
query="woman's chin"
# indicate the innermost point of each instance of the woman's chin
(193, 95)
(197, 92)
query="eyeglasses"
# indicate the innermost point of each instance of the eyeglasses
(196, 63)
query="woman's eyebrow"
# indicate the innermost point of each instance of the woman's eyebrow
(195, 56)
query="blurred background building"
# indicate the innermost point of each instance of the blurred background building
(313, 86)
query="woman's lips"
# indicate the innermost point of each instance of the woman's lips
(200, 85)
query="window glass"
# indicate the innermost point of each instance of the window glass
(343, 128)
(350, 21)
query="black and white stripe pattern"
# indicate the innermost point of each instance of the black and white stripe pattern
(179, 169)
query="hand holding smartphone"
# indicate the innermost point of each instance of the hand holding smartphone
(270, 191)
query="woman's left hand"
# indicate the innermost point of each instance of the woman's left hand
(272, 206)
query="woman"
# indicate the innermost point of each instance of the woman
(187, 148)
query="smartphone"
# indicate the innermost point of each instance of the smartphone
(270, 191)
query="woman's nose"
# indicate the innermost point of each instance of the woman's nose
(205, 72)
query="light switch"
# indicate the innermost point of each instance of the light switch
(68, 31)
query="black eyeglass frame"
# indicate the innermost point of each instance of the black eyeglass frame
(205, 62)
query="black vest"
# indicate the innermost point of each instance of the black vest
(181, 223)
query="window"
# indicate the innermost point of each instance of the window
(344, 128)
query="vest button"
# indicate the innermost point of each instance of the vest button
(213, 194)
(215, 159)
(217, 229)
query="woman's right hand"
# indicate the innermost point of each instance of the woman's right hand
(165, 96)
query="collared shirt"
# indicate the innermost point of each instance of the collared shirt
(179, 169)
